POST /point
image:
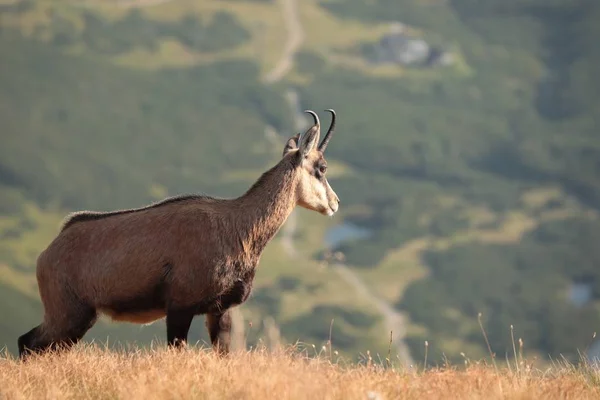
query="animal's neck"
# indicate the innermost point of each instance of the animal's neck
(264, 208)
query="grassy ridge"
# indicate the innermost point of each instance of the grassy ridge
(93, 373)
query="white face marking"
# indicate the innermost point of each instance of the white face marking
(334, 204)
(321, 191)
(315, 193)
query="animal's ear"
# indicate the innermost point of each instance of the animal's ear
(309, 140)
(292, 144)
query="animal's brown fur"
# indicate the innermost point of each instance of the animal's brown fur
(179, 258)
(91, 215)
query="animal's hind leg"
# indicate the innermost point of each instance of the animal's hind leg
(35, 341)
(219, 330)
(66, 321)
(49, 336)
(25, 341)
(82, 318)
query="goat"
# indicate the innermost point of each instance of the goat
(181, 257)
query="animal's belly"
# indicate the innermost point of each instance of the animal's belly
(136, 317)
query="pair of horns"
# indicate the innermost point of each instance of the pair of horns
(327, 138)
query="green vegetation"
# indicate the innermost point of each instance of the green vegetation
(478, 180)
(486, 139)
(59, 122)
(133, 30)
(526, 286)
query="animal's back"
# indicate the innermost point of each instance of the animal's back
(82, 216)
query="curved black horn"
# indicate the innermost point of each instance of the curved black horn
(325, 141)
(315, 116)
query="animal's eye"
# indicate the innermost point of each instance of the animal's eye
(320, 171)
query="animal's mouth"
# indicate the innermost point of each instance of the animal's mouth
(329, 211)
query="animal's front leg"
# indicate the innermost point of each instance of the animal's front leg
(178, 326)
(219, 329)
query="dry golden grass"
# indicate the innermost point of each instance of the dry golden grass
(92, 372)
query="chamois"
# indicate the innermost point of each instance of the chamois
(181, 257)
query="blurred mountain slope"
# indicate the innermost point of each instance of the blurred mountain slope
(468, 165)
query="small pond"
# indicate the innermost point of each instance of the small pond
(580, 293)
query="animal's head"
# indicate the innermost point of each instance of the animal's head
(313, 189)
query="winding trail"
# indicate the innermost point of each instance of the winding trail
(395, 322)
(293, 43)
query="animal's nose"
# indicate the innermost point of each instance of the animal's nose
(335, 206)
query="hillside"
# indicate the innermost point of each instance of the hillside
(473, 169)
